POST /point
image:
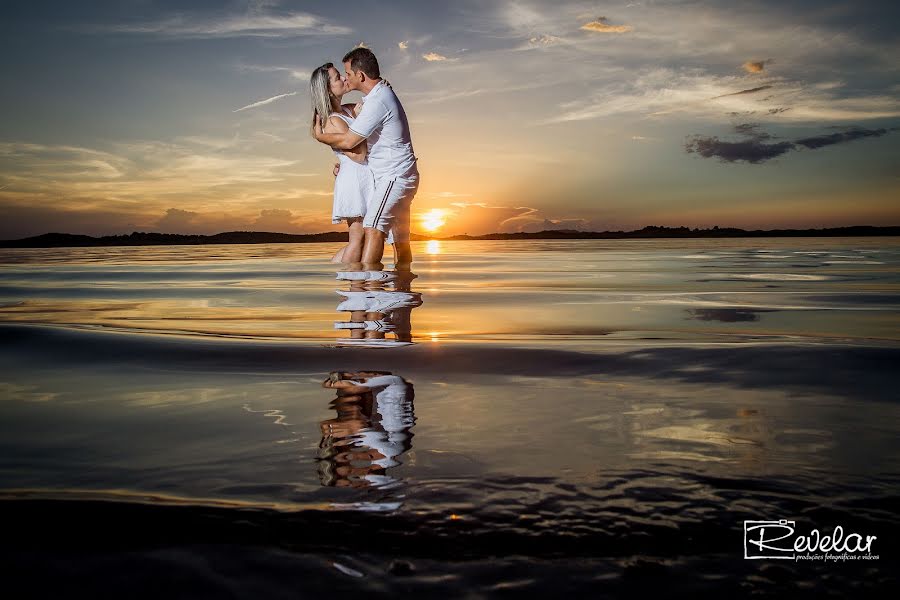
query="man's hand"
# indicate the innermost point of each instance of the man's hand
(337, 168)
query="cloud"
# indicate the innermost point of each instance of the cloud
(140, 178)
(266, 101)
(434, 56)
(757, 66)
(755, 149)
(543, 41)
(300, 73)
(479, 218)
(751, 151)
(750, 91)
(254, 24)
(840, 137)
(449, 195)
(751, 130)
(177, 220)
(692, 92)
(602, 25)
(403, 45)
(277, 220)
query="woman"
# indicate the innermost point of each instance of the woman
(354, 184)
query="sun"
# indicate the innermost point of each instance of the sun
(434, 219)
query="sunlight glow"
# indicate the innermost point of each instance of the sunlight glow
(433, 247)
(434, 219)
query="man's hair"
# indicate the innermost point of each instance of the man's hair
(363, 59)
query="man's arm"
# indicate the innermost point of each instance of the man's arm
(346, 140)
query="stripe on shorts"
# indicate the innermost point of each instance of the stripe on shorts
(387, 193)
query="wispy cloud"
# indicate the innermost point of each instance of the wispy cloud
(266, 101)
(403, 45)
(301, 73)
(194, 184)
(544, 40)
(700, 94)
(449, 195)
(750, 91)
(145, 173)
(434, 57)
(252, 24)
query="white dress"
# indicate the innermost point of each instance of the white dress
(353, 187)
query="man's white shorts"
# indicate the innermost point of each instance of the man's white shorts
(388, 210)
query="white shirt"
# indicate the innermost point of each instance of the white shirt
(382, 121)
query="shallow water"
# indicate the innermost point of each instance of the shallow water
(591, 416)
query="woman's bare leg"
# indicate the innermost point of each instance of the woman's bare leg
(339, 255)
(352, 252)
(354, 248)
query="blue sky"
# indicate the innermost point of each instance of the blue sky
(193, 117)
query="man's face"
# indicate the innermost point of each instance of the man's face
(352, 77)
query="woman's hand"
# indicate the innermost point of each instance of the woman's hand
(316, 129)
(337, 169)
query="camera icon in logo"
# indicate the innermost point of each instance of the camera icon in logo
(769, 539)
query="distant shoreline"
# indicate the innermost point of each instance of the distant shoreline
(67, 240)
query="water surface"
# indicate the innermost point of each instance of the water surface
(590, 416)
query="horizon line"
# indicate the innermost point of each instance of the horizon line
(648, 229)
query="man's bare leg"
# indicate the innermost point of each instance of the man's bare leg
(402, 255)
(373, 250)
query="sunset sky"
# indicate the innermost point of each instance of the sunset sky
(194, 117)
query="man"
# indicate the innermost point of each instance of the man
(382, 122)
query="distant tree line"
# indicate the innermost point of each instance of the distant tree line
(138, 238)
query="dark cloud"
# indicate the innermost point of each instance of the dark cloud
(820, 141)
(751, 150)
(752, 130)
(754, 148)
(750, 91)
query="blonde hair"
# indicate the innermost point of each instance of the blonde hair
(320, 93)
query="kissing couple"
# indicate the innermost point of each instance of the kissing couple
(376, 174)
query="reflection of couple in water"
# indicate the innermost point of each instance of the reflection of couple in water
(376, 176)
(375, 310)
(371, 430)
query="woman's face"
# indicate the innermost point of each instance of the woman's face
(336, 84)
